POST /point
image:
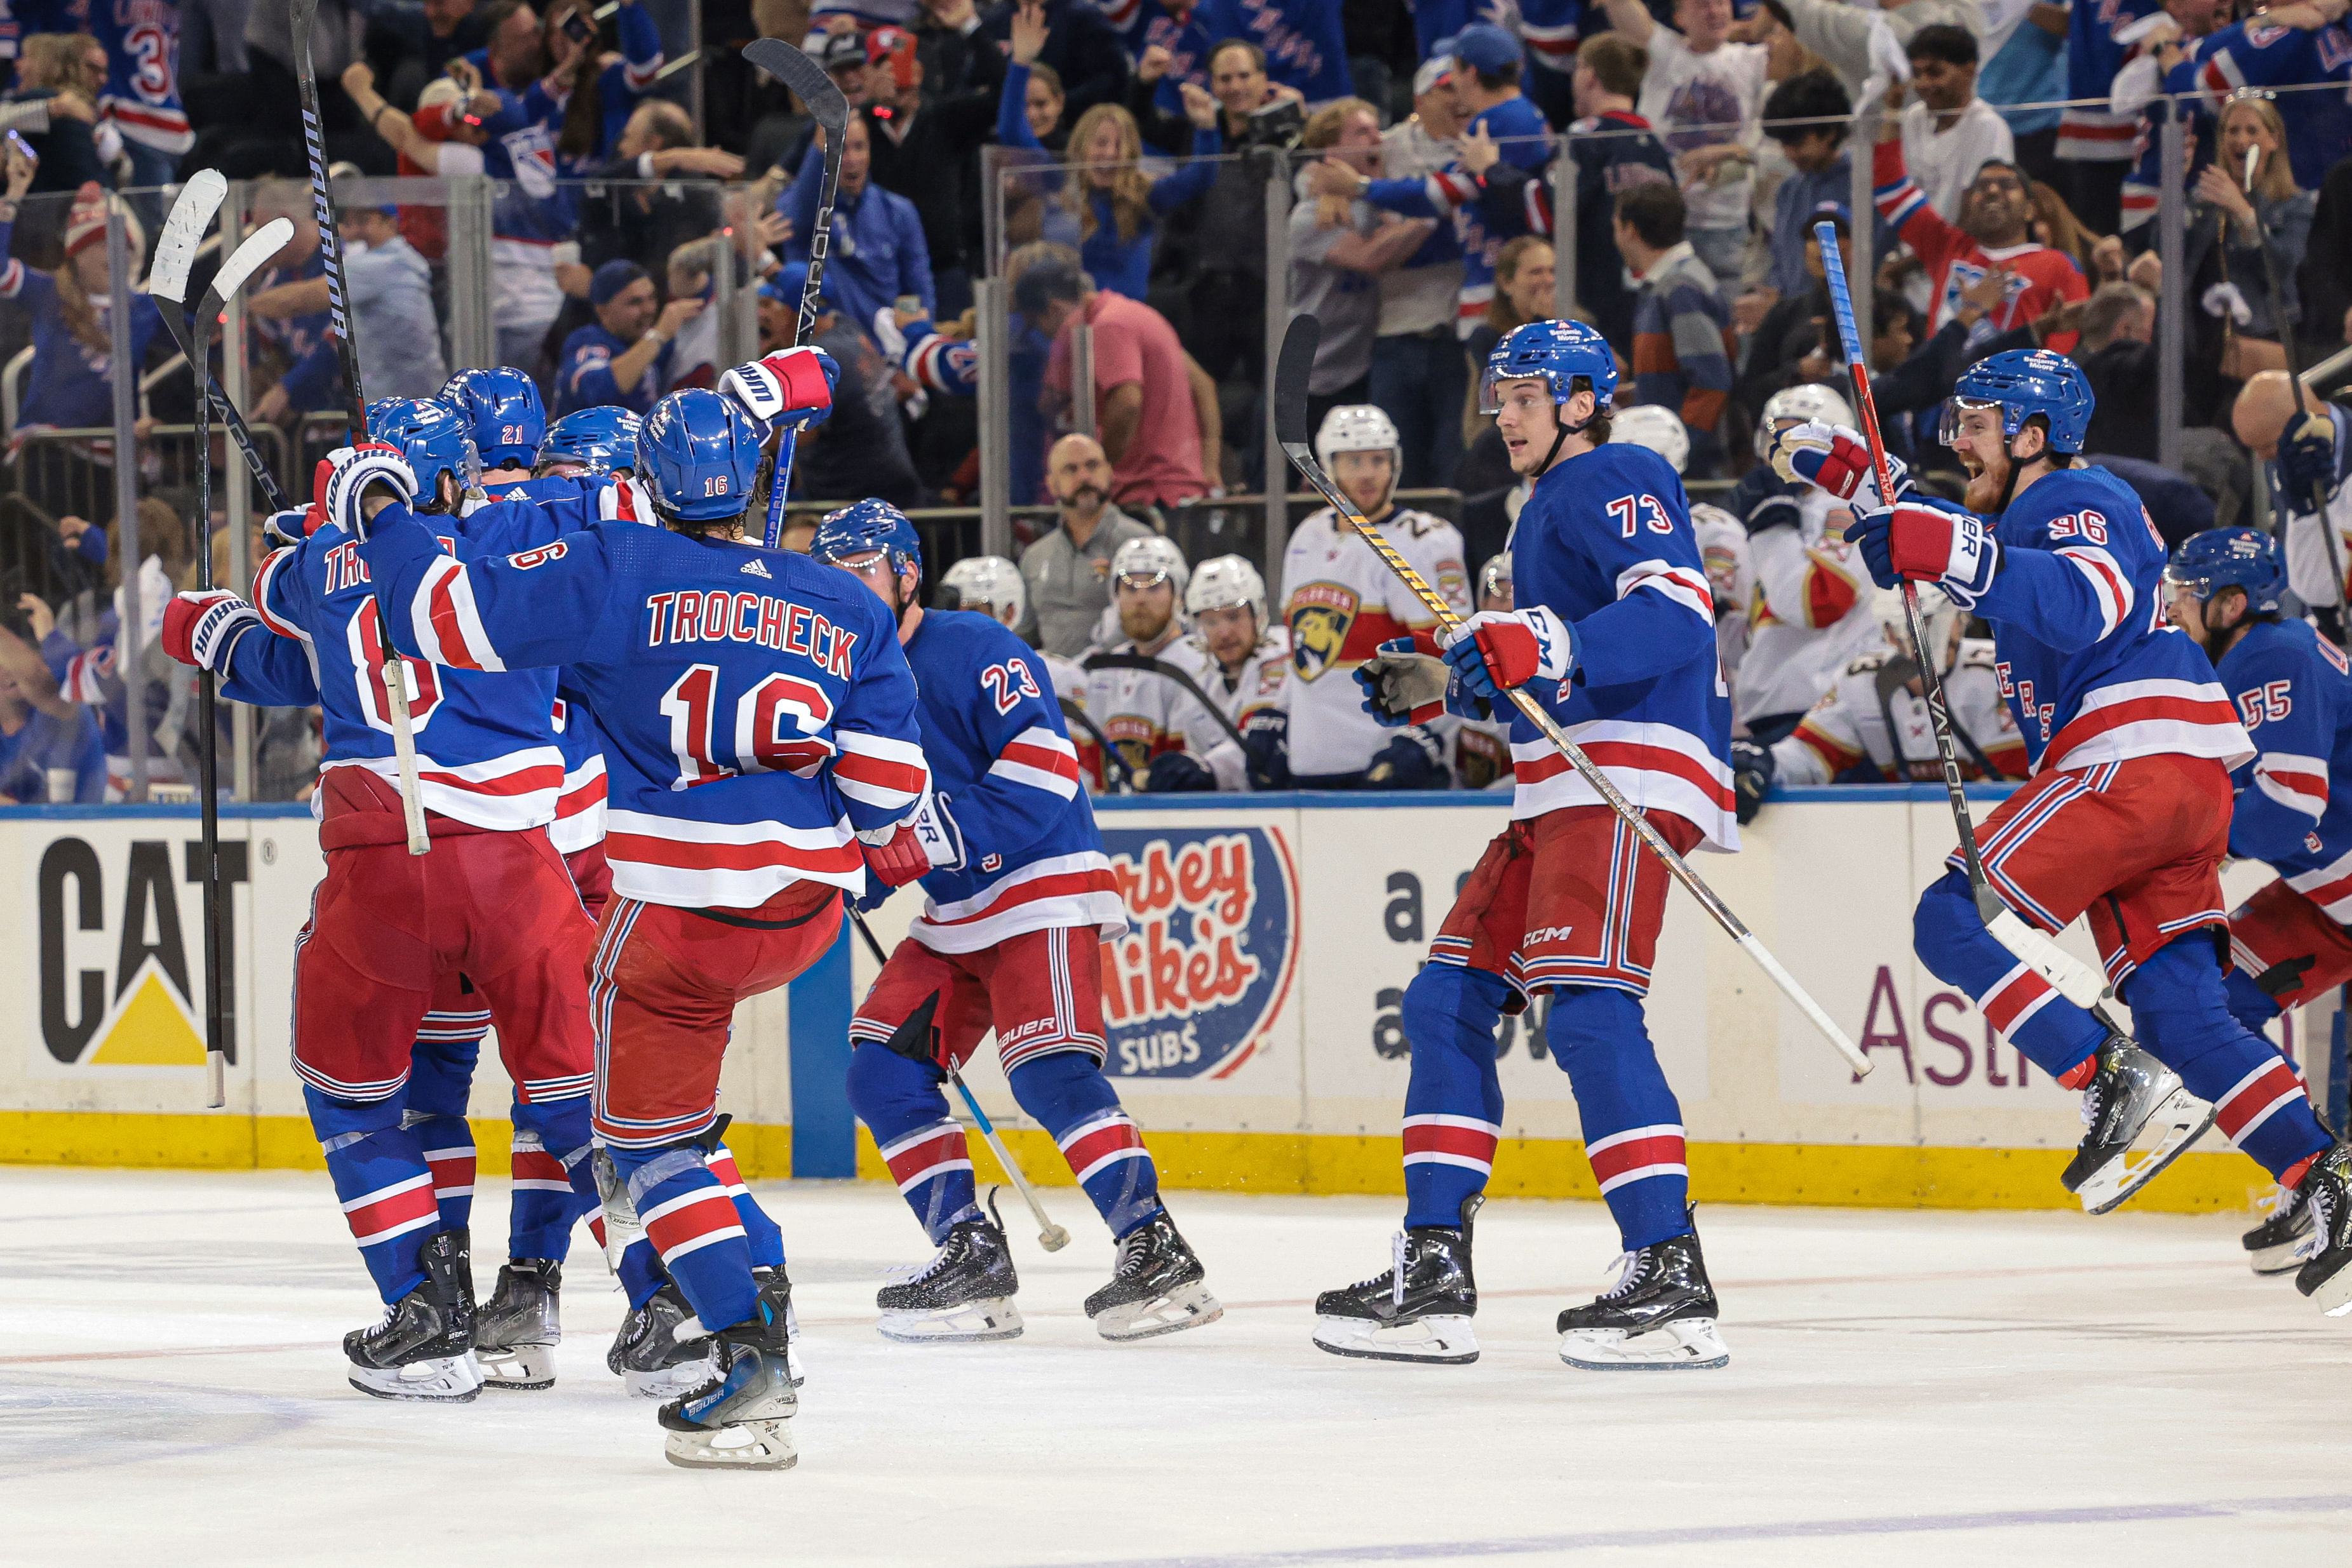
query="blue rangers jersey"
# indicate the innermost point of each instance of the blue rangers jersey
(2092, 132)
(757, 710)
(1002, 758)
(2091, 668)
(1605, 542)
(2293, 692)
(142, 40)
(1526, 139)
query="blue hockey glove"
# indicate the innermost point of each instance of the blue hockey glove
(1265, 746)
(1415, 759)
(2306, 460)
(1177, 773)
(1954, 550)
(1402, 686)
(1497, 650)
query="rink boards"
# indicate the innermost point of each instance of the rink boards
(1250, 1010)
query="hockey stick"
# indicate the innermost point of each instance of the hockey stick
(1151, 666)
(1050, 1235)
(1290, 378)
(338, 321)
(175, 255)
(1111, 758)
(809, 83)
(2075, 980)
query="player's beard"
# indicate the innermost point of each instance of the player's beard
(1989, 486)
(1144, 624)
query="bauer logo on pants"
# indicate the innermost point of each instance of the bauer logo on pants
(1207, 958)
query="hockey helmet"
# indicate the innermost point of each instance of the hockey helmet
(989, 584)
(2217, 558)
(1151, 557)
(1356, 427)
(1558, 353)
(1659, 429)
(599, 439)
(1226, 581)
(431, 436)
(702, 453)
(1943, 621)
(863, 527)
(502, 408)
(1811, 402)
(2023, 382)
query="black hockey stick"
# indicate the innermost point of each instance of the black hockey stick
(175, 254)
(915, 1041)
(1290, 390)
(1151, 666)
(809, 83)
(305, 14)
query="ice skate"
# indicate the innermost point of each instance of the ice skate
(1418, 1310)
(516, 1332)
(963, 1296)
(423, 1348)
(2327, 1274)
(1155, 1288)
(661, 1352)
(1659, 1316)
(735, 1420)
(2279, 1244)
(776, 1288)
(2132, 1098)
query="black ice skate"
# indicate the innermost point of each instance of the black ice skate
(735, 1420)
(1659, 1316)
(2278, 1245)
(776, 1289)
(1419, 1311)
(1155, 1288)
(516, 1332)
(649, 1354)
(963, 1296)
(2133, 1100)
(2326, 1276)
(423, 1348)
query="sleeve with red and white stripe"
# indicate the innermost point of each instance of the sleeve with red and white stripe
(536, 608)
(1008, 809)
(641, 47)
(879, 770)
(2297, 783)
(2068, 599)
(940, 363)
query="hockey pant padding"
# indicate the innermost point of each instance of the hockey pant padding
(1633, 1125)
(2181, 1012)
(1453, 1101)
(1951, 938)
(901, 1102)
(382, 1182)
(1065, 1092)
(694, 1229)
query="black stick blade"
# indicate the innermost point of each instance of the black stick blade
(1291, 374)
(807, 79)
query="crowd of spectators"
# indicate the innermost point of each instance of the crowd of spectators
(1117, 165)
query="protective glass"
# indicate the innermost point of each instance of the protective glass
(1490, 385)
(1954, 421)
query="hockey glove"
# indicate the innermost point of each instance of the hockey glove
(794, 387)
(1402, 686)
(1177, 773)
(199, 629)
(1927, 544)
(1266, 748)
(893, 857)
(2306, 460)
(1832, 458)
(1751, 778)
(1497, 650)
(937, 832)
(351, 473)
(1415, 759)
(292, 526)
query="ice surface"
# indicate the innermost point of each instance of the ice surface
(1904, 1387)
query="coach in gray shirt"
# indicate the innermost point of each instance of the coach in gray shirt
(1068, 570)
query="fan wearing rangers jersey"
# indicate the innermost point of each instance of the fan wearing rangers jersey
(1017, 902)
(1614, 635)
(1340, 603)
(764, 757)
(2127, 815)
(1166, 739)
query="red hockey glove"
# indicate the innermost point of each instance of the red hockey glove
(899, 859)
(1497, 650)
(198, 628)
(793, 387)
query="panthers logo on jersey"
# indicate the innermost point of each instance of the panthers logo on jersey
(1320, 615)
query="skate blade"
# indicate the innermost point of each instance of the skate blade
(516, 1366)
(2178, 1123)
(1687, 1344)
(2284, 1259)
(444, 1380)
(974, 1322)
(792, 1366)
(2331, 1295)
(1185, 1307)
(739, 1445)
(1444, 1341)
(670, 1382)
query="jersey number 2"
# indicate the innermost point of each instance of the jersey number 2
(779, 727)
(1008, 683)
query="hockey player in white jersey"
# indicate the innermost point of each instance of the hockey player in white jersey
(992, 585)
(1242, 666)
(1873, 724)
(2313, 457)
(1340, 603)
(1482, 746)
(1722, 541)
(1164, 734)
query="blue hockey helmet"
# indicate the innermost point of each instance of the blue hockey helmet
(502, 406)
(599, 439)
(2022, 384)
(864, 526)
(2217, 558)
(1558, 353)
(702, 452)
(431, 436)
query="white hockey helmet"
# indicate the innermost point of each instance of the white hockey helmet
(1944, 622)
(1359, 427)
(1152, 556)
(1223, 582)
(1659, 429)
(1495, 577)
(990, 584)
(1810, 402)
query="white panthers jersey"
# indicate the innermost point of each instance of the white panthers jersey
(1482, 753)
(1069, 676)
(1339, 604)
(1858, 721)
(1730, 578)
(1144, 715)
(2308, 569)
(1257, 684)
(1810, 614)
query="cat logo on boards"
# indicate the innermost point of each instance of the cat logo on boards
(1320, 615)
(121, 968)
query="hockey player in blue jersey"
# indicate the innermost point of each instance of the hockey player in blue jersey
(2127, 815)
(1614, 634)
(1018, 900)
(593, 443)
(502, 408)
(764, 756)
(2293, 694)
